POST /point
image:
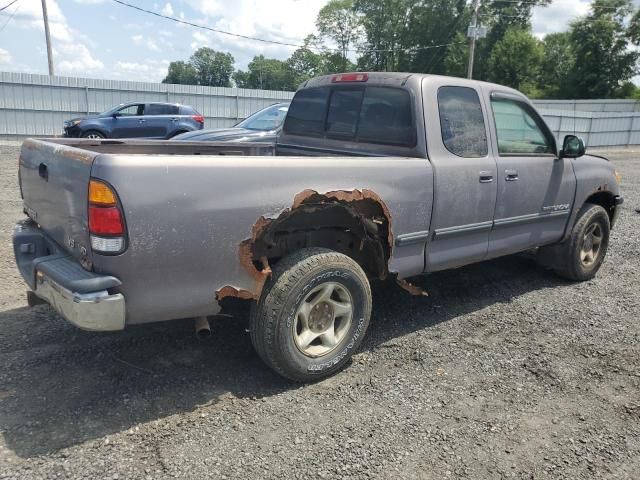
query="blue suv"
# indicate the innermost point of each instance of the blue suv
(135, 120)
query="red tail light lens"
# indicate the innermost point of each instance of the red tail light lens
(105, 221)
(350, 77)
(198, 118)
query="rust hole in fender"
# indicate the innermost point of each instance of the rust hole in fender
(354, 222)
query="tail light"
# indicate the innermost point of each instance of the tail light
(106, 222)
(198, 118)
(350, 77)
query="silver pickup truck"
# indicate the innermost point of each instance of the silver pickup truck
(375, 175)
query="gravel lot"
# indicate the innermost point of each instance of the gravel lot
(504, 371)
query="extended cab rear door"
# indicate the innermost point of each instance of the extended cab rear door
(535, 187)
(464, 171)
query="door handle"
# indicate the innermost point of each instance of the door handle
(486, 177)
(511, 175)
(174, 119)
(141, 120)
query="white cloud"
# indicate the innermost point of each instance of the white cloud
(78, 59)
(71, 54)
(167, 10)
(557, 17)
(288, 21)
(148, 71)
(149, 43)
(5, 57)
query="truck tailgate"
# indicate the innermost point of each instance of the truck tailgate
(54, 181)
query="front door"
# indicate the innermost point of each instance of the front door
(535, 187)
(129, 122)
(464, 173)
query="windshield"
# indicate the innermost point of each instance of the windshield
(270, 118)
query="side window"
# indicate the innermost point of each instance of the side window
(386, 117)
(519, 129)
(130, 110)
(461, 122)
(160, 109)
(342, 117)
(307, 111)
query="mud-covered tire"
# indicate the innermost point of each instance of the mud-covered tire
(568, 256)
(273, 319)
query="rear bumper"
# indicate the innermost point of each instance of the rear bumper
(81, 297)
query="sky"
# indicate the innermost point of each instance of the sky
(102, 39)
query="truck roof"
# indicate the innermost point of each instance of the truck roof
(400, 79)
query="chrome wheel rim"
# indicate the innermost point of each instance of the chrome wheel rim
(591, 243)
(323, 319)
(93, 136)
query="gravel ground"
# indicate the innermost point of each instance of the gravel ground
(504, 371)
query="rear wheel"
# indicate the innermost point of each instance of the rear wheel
(92, 134)
(581, 255)
(312, 315)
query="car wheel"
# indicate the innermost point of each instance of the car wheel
(312, 315)
(579, 258)
(92, 134)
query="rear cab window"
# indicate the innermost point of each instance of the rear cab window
(461, 122)
(354, 113)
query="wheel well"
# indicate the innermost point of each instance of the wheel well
(97, 130)
(606, 200)
(356, 230)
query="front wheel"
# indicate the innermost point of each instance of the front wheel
(579, 257)
(312, 315)
(94, 134)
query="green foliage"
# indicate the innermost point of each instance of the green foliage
(515, 60)
(557, 64)
(338, 21)
(266, 74)
(601, 44)
(182, 73)
(594, 59)
(214, 69)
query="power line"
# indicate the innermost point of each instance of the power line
(263, 40)
(10, 17)
(204, 27)
(8, 5)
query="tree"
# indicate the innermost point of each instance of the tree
(266, 73)
(557, 64)
(516, 60)
(304, 63)
(601, 43)
(214, 69)
(338, 21)
(181, 72)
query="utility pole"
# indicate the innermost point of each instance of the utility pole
(473, 35)
(47, 36)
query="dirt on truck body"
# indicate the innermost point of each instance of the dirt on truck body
(374, 175)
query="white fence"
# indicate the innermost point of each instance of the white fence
(37, 105)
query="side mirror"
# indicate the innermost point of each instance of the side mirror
(115, 114)
(572, 147)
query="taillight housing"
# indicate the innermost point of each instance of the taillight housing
(198, 118)
(106, 220)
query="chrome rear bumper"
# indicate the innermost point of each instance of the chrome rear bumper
(95, 311)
